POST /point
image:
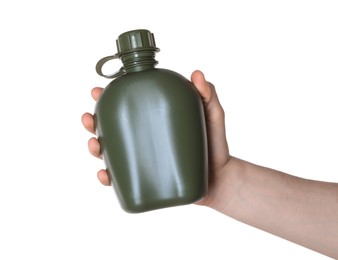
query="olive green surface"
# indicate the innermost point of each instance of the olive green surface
(151, 128)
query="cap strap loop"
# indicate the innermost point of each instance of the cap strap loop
(100, 64)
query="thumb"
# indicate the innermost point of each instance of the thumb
(209, 96)
(203, 87)
(214, 115)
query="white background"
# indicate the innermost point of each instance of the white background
(275, 67)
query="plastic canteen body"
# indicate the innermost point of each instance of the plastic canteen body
(151, 128)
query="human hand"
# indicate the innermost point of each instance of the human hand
(93, 143)
(218, 151)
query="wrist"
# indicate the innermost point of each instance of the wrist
(223, 185)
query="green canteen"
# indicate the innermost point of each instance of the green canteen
(151, 127)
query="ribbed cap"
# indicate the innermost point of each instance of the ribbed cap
(136, 40)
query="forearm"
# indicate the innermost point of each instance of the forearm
(299, 210)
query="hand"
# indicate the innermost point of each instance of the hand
(93, 143)
(217, 145)
(253, 194)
